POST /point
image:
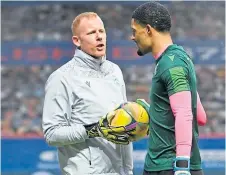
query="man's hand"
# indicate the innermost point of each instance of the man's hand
(102, 129)
(182, 166)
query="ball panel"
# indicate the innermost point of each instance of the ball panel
(134, 118)
(121, 118)
(144, 117)
(137, 112)
(133, 109)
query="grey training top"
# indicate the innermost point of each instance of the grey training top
(78, 93)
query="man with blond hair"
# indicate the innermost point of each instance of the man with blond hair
(77, 95)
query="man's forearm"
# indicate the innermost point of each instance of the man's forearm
(65, 135)
(181, 107)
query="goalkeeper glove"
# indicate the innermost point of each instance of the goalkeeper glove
(104, 130)
(182, 166)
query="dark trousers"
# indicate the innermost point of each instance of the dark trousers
(170, 172)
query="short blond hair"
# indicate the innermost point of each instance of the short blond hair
(78, 19)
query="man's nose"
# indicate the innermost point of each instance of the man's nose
(99, 36)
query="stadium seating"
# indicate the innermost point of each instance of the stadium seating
(23, 87)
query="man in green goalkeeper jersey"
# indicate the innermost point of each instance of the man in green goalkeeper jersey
(175, 109)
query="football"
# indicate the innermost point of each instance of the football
(134, 118)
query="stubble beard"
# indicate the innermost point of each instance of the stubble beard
(139, 52)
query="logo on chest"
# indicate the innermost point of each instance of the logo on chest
(116, 81)
(88, 83)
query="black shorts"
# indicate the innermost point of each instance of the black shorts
(170, 172)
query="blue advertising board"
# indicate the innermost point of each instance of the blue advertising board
(120, 52)
(212, 151)
(30, 156)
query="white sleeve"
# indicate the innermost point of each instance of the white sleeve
(124, 92)
(123, 86)
(127, 158)
(57, 113)
(126, 150)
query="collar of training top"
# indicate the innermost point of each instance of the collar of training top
(88, 60)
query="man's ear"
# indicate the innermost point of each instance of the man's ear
(76, 41)
(149, 29)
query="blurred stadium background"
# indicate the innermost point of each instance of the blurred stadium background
(36, 40)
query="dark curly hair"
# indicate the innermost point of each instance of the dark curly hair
(154, 14)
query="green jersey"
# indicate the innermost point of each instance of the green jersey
(174, 72)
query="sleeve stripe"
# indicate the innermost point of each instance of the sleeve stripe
(179, 79)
